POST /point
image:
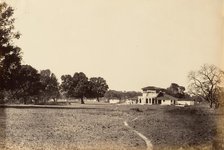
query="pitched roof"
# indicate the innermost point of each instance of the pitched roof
(151, 88)
(165, 97)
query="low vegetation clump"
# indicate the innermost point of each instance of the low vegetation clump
(136, 109)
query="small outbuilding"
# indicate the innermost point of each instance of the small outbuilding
(185, 102)
(164, 99)
(114, 101)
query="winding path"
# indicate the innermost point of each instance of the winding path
(147, 141)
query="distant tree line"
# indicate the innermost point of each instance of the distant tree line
(113, 94)
(30, 86)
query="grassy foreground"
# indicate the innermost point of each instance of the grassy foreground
(178, 127)
(102, 127)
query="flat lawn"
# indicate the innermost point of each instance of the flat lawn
(102, 127)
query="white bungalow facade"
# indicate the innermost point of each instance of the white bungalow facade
(149, 96)
(154, 95)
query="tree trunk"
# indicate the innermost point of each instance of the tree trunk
(211, 104)
(98, 100)
(36, 101)
(25, 101)
(82, 101)
(216, 105)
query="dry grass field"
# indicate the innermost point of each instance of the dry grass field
(82, 127)
(178, 127)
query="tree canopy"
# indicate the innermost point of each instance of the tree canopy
(98, 87)
(176, 90)
(10, 55)
(75, 86)
(29, 85)
(79, 86)
(49, 85)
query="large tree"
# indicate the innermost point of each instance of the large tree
(28, 84)
(80, 84)
(10, 55)
(50, 85)
(97, 87)
(206, 84)
(176, 90)
(76, 86)
(66, 86)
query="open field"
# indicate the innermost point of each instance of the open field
(175, 127)
(102, 127)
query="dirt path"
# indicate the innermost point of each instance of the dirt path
(147, 141)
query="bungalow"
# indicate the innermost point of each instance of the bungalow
(154, 95)
(149, 95)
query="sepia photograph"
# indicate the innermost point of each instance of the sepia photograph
(112, 75)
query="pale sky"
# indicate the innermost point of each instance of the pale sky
(130, 43)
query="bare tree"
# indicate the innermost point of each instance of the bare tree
(206, 83)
